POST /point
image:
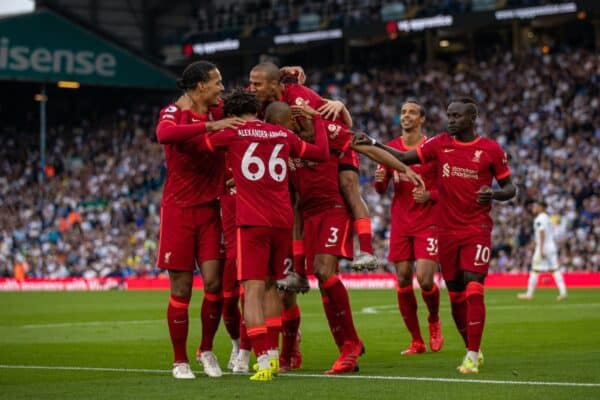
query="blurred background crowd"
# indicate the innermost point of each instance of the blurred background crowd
(97, 213)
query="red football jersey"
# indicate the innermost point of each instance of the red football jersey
(463, 168)
(257, 153)
(406, 213)
(192, 179)
(317, 183)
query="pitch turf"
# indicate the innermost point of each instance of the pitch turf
(529, 347)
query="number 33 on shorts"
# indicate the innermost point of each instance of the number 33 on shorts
(432, 246)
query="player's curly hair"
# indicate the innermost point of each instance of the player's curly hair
(197, 71)
(467, 100)
(239, 102)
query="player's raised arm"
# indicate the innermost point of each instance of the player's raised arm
(333, 109)
(407, 157)
(389, 160)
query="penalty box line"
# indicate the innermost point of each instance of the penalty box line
(296, 375)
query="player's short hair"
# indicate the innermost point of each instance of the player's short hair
(466, 100)
(197, 71)
(271, 70)
(240, 102)
(277, 111)
(413, 101)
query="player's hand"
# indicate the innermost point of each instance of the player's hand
(414, 178)
(420, 195)
(380, 174)
(303, 110)
(232, 122)
(361, 138)
(485, 195)
(229, 183)
(184, 102)
(295, 71)
(331, 109)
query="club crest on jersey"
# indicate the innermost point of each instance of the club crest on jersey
(171, 109)
(299, 101)
(477, 156)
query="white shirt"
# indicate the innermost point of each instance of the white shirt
(542, 223)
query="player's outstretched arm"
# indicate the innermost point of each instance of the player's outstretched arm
(407, 157)
(507, 191)
(384, 157)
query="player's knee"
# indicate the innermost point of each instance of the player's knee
(288, 299)
(404, 280)
(212, 285)
(470, 276)
(425, 281)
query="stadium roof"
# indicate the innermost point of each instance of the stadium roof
(45, 47)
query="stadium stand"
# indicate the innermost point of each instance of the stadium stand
(104, 179)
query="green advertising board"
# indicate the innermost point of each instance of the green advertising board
(45, 47)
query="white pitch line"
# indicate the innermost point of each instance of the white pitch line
(357, 377)
(393, 308)
(91, 323)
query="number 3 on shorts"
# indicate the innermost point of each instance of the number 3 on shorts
(432, 246)
(333, 238)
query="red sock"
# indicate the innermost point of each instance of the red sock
(231, 314)
(258, 338)
(337, 293)
(407, 303)
(458, 303)
(210, 314)
(273, 330)
(432, 299)
(363, 229)
(335, 325)
(475, 315)
(290, 323)
(177, 318)
(244, 339)
(299, 257)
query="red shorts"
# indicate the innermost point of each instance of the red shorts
(189, 235)
(230, 283)
(329, 232)
(464, 253)
(421, 245)
(262, 252)
(349, 161)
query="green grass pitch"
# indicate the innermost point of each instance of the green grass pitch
(115, 346)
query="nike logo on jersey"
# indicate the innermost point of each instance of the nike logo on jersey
(478, 264)
(447, 150)
(327, 245)
(196, 120)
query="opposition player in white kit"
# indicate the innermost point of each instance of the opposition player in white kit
(545, 255)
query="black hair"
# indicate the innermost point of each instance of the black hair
(239, 102)
(467, 100)
(413, 101)
(197, 71)
(541, 203)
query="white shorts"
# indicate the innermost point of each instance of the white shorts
(548, 263)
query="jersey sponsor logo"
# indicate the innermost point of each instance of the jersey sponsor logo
(171, 109)
(477, 156)
(459, 172)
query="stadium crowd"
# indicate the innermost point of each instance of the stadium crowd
(268, 17)
(99, 214)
